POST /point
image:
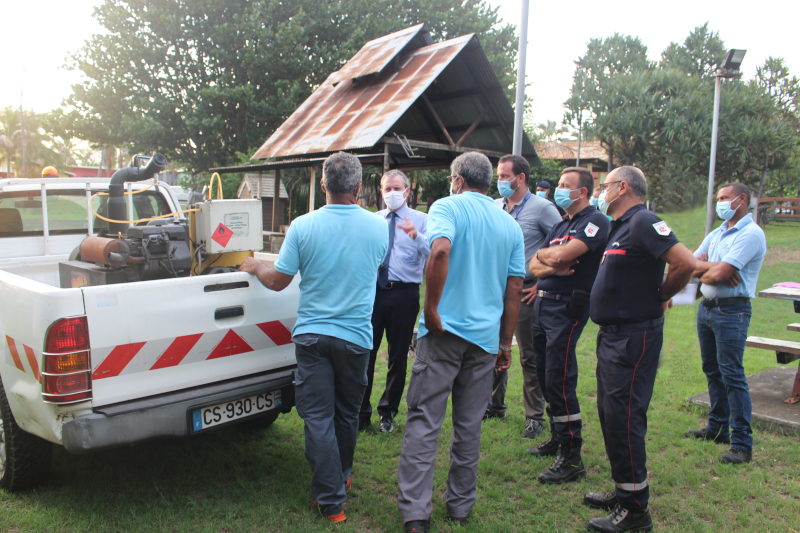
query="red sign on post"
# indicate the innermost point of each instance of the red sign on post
(222, 235)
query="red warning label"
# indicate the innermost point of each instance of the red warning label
(222, 235)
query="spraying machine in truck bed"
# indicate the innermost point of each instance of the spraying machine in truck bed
(145, 330)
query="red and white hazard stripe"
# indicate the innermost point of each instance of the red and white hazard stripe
(108, 362)
(30, 355)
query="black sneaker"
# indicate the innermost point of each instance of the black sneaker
(735, 457)
(567, 467)
(707, 434)
(418, 526)
(601, 500)
(386, 425)
(548, 448)
(622, 519)
(458, 521)
(533, 428)
(488, 415)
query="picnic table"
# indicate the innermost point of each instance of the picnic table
(785, 351)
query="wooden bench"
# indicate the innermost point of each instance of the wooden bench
(785, 351)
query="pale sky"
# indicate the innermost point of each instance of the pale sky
(38, 35)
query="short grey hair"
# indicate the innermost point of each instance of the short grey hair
(341, 172)
(634, 178)
(475, 168)
(395, 173)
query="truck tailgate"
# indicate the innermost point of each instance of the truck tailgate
(154, 337)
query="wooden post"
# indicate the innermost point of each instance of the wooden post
(291, 205)
(312, 189)
(276, 193)
(379, 196)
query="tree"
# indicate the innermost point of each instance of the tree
(200, 81)
(38, 142)
(701, 54)
(604, 60)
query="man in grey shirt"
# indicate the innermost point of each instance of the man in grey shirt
(535, 215)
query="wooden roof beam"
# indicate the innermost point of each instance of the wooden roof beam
(436, 116)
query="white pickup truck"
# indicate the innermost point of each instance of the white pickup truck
(93, 367)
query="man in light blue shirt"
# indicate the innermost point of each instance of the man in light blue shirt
(337, 250)
(397, 296)
(729, 260)
(474, 287)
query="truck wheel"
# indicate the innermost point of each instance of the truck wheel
(24, 458)
(262, 422)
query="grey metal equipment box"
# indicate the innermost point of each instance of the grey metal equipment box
(230, 226)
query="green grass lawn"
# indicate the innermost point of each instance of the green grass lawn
(239, 480)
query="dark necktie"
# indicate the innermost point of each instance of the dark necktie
(383, 272)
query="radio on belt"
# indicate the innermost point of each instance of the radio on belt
(230, 226)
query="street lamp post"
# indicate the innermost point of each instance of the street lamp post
(730, 69)
(520, 106)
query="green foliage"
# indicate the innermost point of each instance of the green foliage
(701, 54)
(200, 81)
(39, 151)
(659, 119)
(550, 171)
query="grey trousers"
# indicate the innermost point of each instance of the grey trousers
(532, 396)
(444, 365)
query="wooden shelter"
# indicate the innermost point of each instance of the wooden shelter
(402, 102)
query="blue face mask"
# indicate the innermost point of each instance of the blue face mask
(562, 198)
(505, 190)
(541, 194)
(724, 210)
(593, 201)
(602, 205)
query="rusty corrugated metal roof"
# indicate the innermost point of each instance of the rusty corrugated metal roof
(378, 53)
(374, 95)
(352, 114)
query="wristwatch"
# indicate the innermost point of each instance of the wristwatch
(506, 349)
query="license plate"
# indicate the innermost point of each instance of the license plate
(215, 415)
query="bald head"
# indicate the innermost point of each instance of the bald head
(633, 177)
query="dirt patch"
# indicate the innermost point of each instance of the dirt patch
(780, 255)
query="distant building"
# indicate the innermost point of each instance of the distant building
(593, 155)
(250, 188)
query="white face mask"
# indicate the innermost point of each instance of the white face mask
(395, 199)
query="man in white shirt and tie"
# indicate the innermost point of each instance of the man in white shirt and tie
(397, 296)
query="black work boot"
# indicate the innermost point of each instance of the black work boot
(622, 519)
(601, 500)
(707, 434)
(734, 456)
(567, 467)
(548, 448)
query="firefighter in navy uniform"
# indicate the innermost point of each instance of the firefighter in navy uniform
(628, 303)
(566, 267)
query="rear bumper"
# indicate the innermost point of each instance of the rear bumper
(167, 415)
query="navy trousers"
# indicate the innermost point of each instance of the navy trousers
(329, 385)
(627, 361)
(395, 312)
(555, 335)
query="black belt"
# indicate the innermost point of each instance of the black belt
(398, 285)
(716, 302)
(553, 296)
(635, 325)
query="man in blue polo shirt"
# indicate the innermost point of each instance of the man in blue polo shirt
(474, 287)
(337, 251)
(729, 260)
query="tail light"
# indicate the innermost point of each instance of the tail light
(67, 369)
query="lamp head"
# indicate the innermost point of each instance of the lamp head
(733, 59)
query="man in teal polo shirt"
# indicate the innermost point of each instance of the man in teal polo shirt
(730, 258)
(337, 250)
(474, 287)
